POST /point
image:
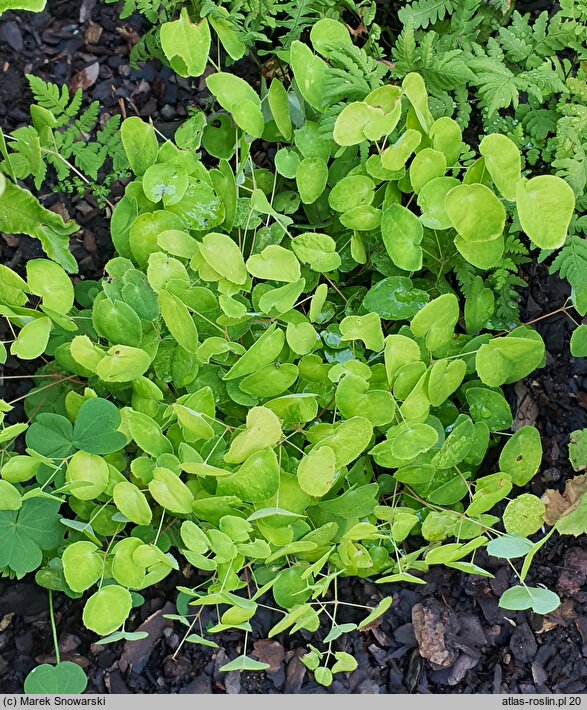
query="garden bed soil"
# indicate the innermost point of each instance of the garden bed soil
(447, 636)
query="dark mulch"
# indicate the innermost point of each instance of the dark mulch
(447, 636)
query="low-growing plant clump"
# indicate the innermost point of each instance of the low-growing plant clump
(294, 373)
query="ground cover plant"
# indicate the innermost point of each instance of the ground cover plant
(286, 376)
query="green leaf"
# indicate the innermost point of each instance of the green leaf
(263, 352)
(402, 233)
(243, 663)
(489, 407)
(395, 157)
(509, 547)
(186, 44)
(95, 429)
(412, 440)
(274, 263)
(415, 90)
(578, 449)
(140, 144)
(32, 339)
(107, 609)
(376, 612)
(179, 321)
(366, 328)
(240, 99)
(122, 364)
(317, 471)
(82, 566)
(318, 251)
(18, 469)
(256, 480)
(475, 212)
(351, 191)
(579, 342)
(49, 281)
(395, 298)
(224, 256)
(446, 136)
(524, 515)
(345, 663)
(132, 503)
(25, 533)
(21, 213)
(311, 179)
(90, 469)
(445, 378)
(323, 676)
(10, 498)
(279, 106)
(426, 165)
(262, 430)
(545, 207)
(521, 456)
(65, 678)
(509, 359)
(165, 181)
(117, 322)
(436, 321)
(310, 73)
(540, 600)
(170, 492)
(503, 162)
(354, 398)
(432, 199)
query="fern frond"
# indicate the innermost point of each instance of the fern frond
(571, 263)
(426, 12)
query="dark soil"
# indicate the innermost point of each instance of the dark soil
(447, 636)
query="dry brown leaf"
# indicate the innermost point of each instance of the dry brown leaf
(85, 78)
(558, 505)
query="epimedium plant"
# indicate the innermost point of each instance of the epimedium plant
(277, 381)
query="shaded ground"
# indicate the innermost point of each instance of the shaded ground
(447, 636)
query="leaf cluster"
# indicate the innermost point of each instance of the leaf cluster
(284, 374)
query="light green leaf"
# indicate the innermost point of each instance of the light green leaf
(32, 340)
(275, 263)
(402, 234)
(178, 321)
(140, 144)
(132, 503)
(545, 207)
(170, 491)
(256, 480)
(311, 179)
(318, 251)
(524, 515)
(240, 99)
(82, 565)
(50, 281)
(107, 609)
(262, 430)
(503, 162)
(186, 44)
(475, 212)
(317, 471)
(521, 455)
